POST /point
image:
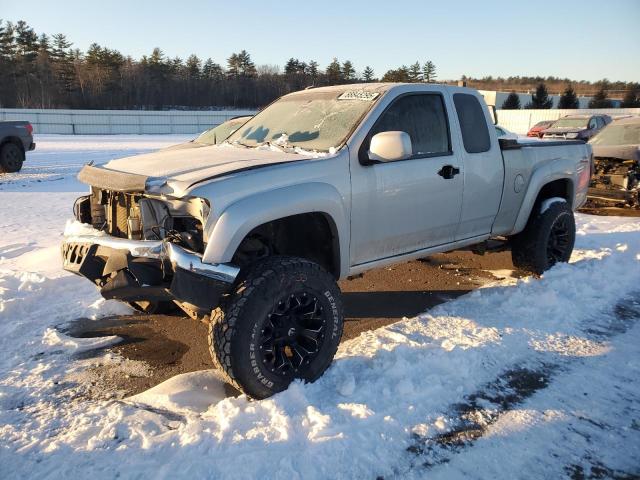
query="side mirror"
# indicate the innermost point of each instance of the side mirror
(390, 146)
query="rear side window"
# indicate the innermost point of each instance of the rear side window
(473, 123)
(423, 117)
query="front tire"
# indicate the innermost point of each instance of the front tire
(547, 239)
(283, 321)
(11, 158)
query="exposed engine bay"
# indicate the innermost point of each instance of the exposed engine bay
(138, 217)
(146, 251)
(616, 182)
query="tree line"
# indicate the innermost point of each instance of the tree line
(569, 98)
(46, 71)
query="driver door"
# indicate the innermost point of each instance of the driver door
(407, 205)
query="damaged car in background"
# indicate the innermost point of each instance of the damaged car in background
(576, 127)
(251, 236)
(616, 152)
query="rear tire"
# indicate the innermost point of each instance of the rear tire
(547, 239)
(283, 321)
(11, 158)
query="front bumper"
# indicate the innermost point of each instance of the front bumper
(147, 270)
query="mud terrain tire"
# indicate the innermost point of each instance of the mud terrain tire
(11, 158)
(547, 239)
(282, 321)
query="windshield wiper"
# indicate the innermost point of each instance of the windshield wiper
(281, 147)
(238, 142)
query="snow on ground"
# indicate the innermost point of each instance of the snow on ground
(527, 378)
(53, 165)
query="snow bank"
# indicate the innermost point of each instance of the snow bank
(188, 393)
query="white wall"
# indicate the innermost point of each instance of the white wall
(101, 122)
(520, 121)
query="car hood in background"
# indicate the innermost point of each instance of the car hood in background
(622, 152)
(560, 131)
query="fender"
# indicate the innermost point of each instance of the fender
(558, 169)
(244, 215)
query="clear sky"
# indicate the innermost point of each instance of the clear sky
(582, 40)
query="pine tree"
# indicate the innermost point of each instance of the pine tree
(399, 75)
(44, 43)
(569, 99)
(512, 102)
(60, 48)
(334, 72)
(415, 72)
(291, 67)
(26, 41)
(429, 72)
(367, 74)
(631, 98)
(312, 69)
(7, 41)
(212, 70)
(193, 66)
(600, 100)
(233, 65)
(540, 99)
(176, 67)
(156, 58)
(247, 67)
(348, 72)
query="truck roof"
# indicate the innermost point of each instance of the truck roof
(372, 87)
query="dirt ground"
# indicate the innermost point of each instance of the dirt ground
(170, 345)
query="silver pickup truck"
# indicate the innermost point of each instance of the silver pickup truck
(323, 184)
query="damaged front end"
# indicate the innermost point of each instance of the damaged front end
(616, 182)
(142, 249)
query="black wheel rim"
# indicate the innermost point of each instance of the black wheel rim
(558, 243)
(292, 335)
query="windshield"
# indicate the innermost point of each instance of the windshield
(571, 123)
(311, 120)
(620, 134)
(220, 133)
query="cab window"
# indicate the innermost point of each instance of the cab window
(423, 117)
(473, 123)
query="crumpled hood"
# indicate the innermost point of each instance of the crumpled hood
(622, 152)
(174, 171)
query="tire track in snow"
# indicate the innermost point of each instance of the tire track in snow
(471, 419)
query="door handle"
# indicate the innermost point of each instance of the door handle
(448, 172)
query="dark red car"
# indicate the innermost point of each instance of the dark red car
(536, 130)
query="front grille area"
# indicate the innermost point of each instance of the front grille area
(136, 217)
(110, 211)
(74, 253)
